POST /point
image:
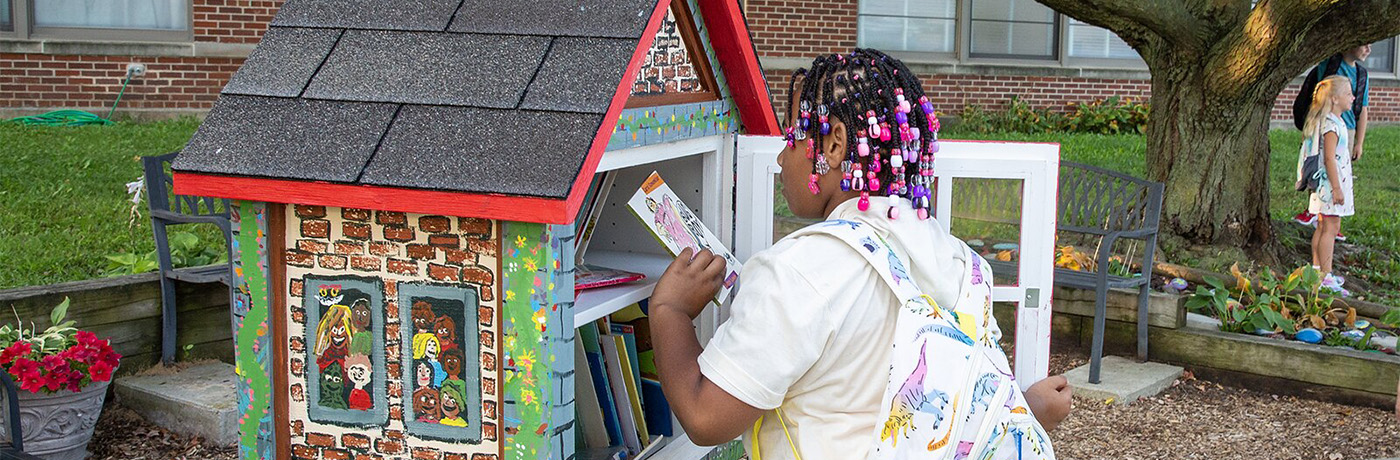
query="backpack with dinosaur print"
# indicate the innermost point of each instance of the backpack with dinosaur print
(951, 393)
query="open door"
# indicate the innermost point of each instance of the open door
(1000, 197)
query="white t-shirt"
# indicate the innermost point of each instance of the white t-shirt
(811, 330)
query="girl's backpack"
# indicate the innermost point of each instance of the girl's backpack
(950, 393)
(1327, 68)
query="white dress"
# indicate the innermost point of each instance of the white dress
(1320, 202)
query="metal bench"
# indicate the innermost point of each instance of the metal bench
(13, 449)
(1098, 204)
(167, 209)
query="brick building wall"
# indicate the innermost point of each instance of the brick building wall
(41, 75)
(184, 78)
(396, 248)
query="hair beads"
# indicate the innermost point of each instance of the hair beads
(891, 128)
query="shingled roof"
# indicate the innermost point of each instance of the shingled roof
(483, 97)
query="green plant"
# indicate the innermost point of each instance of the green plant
(1234, 315)
(186, 250)
(57, 358)
(1107, 116)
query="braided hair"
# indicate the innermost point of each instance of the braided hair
(891, 128)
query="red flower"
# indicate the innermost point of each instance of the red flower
(16, 350)
(85, 337)
(101, 372)
(29, 377)
(54, 363)
(23, 366)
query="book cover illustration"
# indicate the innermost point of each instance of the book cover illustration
(673, 223)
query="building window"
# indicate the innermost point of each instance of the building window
(1382, 57)
(1018, 29)
(908, 25)
(7, 20)
(113, 14)
(1089, 41)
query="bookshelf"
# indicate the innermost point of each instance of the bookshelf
(700, 172)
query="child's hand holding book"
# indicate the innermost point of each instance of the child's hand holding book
(690, 283)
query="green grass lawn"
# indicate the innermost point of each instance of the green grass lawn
(1375, 225)
(64, 206)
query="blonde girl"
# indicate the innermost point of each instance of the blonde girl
(1333, 198)
(334, 329)
(426, 347)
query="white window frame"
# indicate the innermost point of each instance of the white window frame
(21, 13)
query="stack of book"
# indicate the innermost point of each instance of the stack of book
(621, 407)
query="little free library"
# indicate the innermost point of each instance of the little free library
(408, 180)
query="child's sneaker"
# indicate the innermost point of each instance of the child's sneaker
(1305, 218)
(1340, 236)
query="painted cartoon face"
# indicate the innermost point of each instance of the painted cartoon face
(357, 370)
(452, 363)
(425, 374)
(422, 316)
(340, 337)
(446, 329)
(360, 318)
(333, 387)
(450, 405)
(329, 294)
(430, 350)
(425, 403)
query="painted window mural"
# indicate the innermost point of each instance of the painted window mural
(345, 357)
(444, 376)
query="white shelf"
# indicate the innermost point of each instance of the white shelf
(680, 448)
(635, 156)
(592, 304)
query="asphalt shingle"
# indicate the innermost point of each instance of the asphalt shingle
(425, 15)
(568, 18)
(429, 68)
(515, 152)
(286, 138)
(580, 75)
(283, 62)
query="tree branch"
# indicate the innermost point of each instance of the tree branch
(1140, 23)
(1280, 39)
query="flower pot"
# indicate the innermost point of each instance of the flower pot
(58, 426)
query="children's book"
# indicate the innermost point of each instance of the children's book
(592, 209)
(597, 368)
(677, 227)
(592, 276)
(629, 338)
(590, 411)
(619, 381)
(634, 394)
(658, 411)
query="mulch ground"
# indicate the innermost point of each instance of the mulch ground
(1194, 419)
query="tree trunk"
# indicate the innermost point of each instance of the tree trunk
(1212, 152)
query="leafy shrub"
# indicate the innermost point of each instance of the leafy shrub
(186, 250)
(1107, 116)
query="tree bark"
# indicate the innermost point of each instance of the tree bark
(1217, 66)
(1212, 152)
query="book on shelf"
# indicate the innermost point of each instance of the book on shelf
(592, 277)
(587, 219)
(658, 411)
(634, 394)
(677, 227)
(629, 338)
(597, 369)
(619, 381)
(590, 411)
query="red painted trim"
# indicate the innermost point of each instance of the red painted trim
(619, 101)
(489, 206)
(729, 35)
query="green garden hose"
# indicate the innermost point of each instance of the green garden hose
(73, 117)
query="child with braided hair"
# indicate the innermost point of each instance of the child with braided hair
(804, 368)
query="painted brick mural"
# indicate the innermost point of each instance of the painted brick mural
(668, 68)
(393, 335)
